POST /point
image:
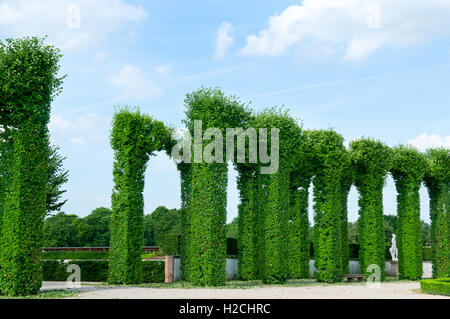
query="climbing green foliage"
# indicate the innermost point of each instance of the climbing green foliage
(30, 171)
(328, 154)
(204, 253)
(247, 232)
(29, 81)
(300, 180)
(134, 138)
(346, 184)
(408, 169)
(371, 161)
(275, 212)
(437, 179)
(24, 212)
(185, 170)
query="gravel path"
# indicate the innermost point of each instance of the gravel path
(397, 290)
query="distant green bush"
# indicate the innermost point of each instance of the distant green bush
(153, 271)
(97, 270)
(436, 286)
(71, 255)
(169, 244)
(232, 247)
(427, 253)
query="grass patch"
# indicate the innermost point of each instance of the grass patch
(50, 294)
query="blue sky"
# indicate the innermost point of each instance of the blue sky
(374, 68)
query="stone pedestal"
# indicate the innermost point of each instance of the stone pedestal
(169, 271)
(394, 269)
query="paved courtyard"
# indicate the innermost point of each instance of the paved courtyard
(394, 290)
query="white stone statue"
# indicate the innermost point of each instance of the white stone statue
(393, 250)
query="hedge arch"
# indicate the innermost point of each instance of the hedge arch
(134, 138)
(28, 85)
(371, 161)
(437, 179)
(408, 169)
(205, 258)
(274, 212)
(328, 155)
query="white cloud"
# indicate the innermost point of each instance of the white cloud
(425, 141)
(134, 83)
(224, 41)
(70, 24)
(163, 70)
(354, 28)
(84, 129)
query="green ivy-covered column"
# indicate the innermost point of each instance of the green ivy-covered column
(408, 170)
(346, 184)
(437, 182)
(328, 153)
(300, 181)
(24, 212)
(262, 197)
(298, 243)
(371, 161)
(275, 187)
(247, 233)
(209, 112)
(134, 138)
(28, 85)
(185, 170)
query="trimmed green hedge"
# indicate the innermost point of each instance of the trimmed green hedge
(247, 234)
(436, 286)
(371, 161)
(328, 153)
(300, 181)
(274, 215)
(408, 169)
(97, 270)
(436, 180)
(24, 212)
(204, 255)
(134, 138)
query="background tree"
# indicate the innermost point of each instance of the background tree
(57, 176)
(437, 179)
(162, 221)
(28, 85)
(60, 231)
(94, 229)
(232, 228)
(371, 161)
(408, 169)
